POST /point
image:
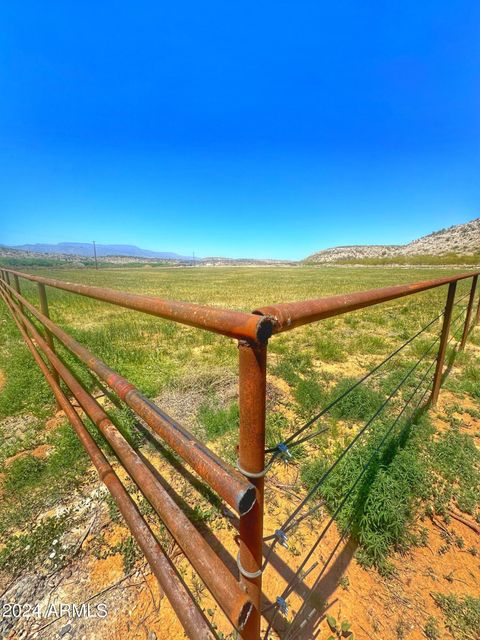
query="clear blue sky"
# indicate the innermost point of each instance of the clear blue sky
(263, 129)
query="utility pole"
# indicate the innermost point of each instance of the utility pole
(95, 254)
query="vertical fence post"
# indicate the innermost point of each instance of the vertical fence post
(447, 317)
(16, 282)
(477, 315)
(44, 309)
(251, 459)
(469, 312)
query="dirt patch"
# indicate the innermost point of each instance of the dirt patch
(106, 571)
(56, 421)
(448, 399)
(349, 369)
(41, 452)
(2, 379)
(115, 534)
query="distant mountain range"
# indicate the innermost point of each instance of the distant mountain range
(86, 249)
(459, 244)
(461, 240)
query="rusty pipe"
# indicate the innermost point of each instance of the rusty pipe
(236, 490)
(193, 621)
(289, 315)
(447, 318)
(234, 324)
(218, 579)
(466, 326)
(251, 459)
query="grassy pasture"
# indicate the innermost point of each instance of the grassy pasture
(154, 352)
(310, 366)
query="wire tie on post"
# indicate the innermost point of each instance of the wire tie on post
(282, 605)
(281, 536)
(248, 574)
(284, 452)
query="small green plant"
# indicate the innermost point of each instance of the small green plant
(130, 552)
(339, 629)
(310, 396)
(312, 471)
(344, 583)
(23, 472)
(359, 404)
(328, 350)
(369, 344)
(27, 549)
(431, 630)
(292, 366)
(462, 615)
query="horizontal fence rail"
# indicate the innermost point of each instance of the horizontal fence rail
(239, 596)
(289, 315)
(234, 324)
(234, 488)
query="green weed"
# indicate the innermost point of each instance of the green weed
(329, 350)
(216, 421)
(310, 396)
(359, 404)
(462, 615)
(26, 550)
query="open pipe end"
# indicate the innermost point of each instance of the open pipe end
(244, 615)
(265, 327)
(247, 500)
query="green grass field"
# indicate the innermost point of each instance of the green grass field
(416, 471)
(153, 352)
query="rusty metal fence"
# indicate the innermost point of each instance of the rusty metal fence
(242, 488)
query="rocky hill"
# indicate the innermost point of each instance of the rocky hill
(461, 240)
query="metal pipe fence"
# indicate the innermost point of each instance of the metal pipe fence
(239, 595)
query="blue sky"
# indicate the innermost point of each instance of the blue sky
(269, 129)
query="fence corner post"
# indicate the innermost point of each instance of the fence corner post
(447, 317)
(251, 458)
